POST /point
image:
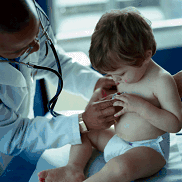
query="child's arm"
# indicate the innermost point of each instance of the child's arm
(167, 93)
(166, 118)
(178, 79)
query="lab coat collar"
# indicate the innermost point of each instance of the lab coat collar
(11, 76)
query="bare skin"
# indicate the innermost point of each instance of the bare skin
(132, 122)
(66, 174)
(75, 165)
(116, 169)
(13, 45)
(178, 79)
(134, 163)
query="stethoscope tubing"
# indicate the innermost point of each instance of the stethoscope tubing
(53, 101)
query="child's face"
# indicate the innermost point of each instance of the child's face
(128, 74)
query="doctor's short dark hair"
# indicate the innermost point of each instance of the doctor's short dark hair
(14, 16)
(120, 37)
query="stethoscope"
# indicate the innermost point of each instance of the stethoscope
(51, 104)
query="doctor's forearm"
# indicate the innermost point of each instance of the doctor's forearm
(39, 134)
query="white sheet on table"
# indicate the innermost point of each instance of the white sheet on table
(53, 158)
(173, 171)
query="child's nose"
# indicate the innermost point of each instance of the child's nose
(117, 79)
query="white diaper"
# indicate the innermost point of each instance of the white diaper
(117, 146)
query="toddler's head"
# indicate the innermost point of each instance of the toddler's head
(121, 37)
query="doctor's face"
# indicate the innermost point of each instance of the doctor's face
(13, 45)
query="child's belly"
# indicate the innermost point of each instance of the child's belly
(132, 128)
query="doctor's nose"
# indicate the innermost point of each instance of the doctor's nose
(36, 46)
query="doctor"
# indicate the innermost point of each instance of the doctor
(20, 131)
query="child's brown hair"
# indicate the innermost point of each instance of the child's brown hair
(120, 37)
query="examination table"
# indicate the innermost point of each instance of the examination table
(54, 158)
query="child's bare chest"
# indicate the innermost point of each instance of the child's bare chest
(145, 91)
(131, 127)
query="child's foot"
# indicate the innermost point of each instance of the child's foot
(62, 174)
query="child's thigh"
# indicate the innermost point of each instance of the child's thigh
(139, 162)
(100, 138)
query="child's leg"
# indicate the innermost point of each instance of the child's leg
(79, 156)
(136, 163)
(73, 171)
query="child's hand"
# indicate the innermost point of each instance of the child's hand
(129, 102)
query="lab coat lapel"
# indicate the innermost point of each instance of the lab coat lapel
(11, 76)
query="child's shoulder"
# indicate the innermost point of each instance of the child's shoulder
(158, 74)
(160, 78)
(164, 81)
(164, 77)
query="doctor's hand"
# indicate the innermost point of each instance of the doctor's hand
(107, 84)
(99, 113)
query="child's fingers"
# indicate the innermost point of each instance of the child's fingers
(121, 97)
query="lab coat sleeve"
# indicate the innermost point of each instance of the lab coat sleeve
(35, 135)
(77, 79)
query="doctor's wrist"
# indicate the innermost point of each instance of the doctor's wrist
(82, 125)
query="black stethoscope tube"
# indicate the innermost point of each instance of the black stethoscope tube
(53, 101)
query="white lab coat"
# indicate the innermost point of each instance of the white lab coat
(19, 129)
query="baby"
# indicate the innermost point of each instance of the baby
(122, 47)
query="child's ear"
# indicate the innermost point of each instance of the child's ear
(148, 54)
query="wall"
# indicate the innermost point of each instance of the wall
(169, 48)
(169, 42)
